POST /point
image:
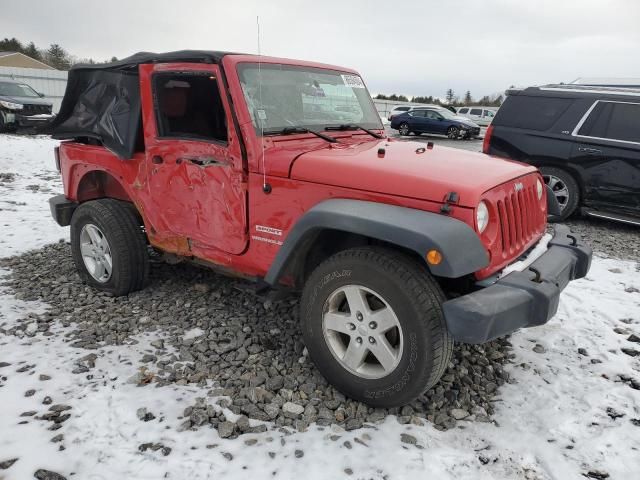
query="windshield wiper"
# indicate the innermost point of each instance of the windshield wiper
(353, 126)
(292, 130)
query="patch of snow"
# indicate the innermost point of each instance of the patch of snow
(193, 333)
(25, 220)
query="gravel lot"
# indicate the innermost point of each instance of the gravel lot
(218, 330)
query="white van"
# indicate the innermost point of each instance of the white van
(483, 116)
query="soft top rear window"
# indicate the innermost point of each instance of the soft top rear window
(533, 113)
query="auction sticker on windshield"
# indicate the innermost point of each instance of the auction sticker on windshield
(353, 81)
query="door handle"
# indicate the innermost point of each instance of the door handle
(589, 151)
(205, 161)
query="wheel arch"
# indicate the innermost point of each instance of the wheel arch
(575, 172)
(338, 224)
(96, 184)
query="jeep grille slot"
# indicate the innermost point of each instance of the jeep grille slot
(518, 222)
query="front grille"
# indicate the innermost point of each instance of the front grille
(519, 219)
(35, 109)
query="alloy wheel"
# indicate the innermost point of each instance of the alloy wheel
(96, 253)
(362, 332)
(559, 189)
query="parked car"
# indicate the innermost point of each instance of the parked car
(436, 120)
(22, 106)
(407, 108)
(398, 249)
(483, 116)
(585, 141)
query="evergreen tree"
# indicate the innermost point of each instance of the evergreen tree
(468, 100)
(32, 51)
(450, 96)
(57, 57)
(11, 45)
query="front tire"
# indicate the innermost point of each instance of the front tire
(565, 188)
(373, 324)
(109, 247)
(403, 129)
(453, 132)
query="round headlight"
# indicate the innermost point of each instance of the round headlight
(539, 189)
(482, 216)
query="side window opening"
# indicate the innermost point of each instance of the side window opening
(596, 123)
(188, 105)
(476, 111)
(463, 110)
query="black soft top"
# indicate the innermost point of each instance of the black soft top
(102, 101)
(132, 62)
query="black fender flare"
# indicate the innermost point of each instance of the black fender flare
(462, 251)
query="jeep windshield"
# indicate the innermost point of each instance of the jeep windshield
(283, 96)
(8, 89)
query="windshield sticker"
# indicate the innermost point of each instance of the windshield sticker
(262, 115)
(353, 81)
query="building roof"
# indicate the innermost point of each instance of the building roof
(22, 61)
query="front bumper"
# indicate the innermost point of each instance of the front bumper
(33, 120)
(522, 298)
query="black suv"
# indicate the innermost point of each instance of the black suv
(585, 141)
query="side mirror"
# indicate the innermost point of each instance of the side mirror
(41, 95)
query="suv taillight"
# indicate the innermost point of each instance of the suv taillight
(487, 139)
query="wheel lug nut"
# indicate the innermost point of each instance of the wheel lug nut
(373, 325)
(359, 316)
(372, 340)
(351, 326)
(358, 340)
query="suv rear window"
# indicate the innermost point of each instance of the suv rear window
(533, 113)
(615, 121)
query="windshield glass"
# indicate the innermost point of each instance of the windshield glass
(446, 113)
(17, 90)
(280, 96)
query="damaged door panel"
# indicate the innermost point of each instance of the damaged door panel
(197, 181)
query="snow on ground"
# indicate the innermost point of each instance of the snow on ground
(555, 422)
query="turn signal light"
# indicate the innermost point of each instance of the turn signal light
(434, 257)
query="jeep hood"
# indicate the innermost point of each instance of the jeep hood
(407, 169)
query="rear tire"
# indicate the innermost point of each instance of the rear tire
(565, 188)
(403, 129)
(404, 345)
(109, 247)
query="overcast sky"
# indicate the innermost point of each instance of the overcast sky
(414, 47)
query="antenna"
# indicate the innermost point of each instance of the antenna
(265, 188)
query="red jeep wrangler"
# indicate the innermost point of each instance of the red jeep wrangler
(279, 171)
